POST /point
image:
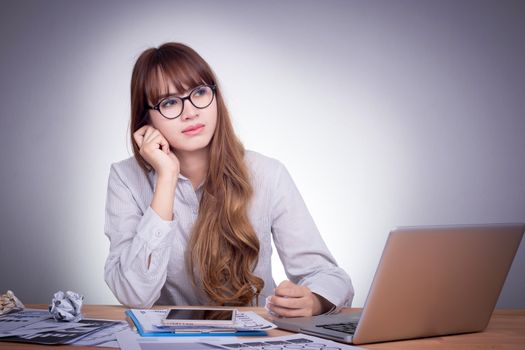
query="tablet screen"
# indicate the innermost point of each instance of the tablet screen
(200, 314)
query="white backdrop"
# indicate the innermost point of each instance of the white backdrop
(386, 113)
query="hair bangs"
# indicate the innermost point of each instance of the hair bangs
(183, 73)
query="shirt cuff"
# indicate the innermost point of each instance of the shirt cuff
(154, 230)
(330, 289)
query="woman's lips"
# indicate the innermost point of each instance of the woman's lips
(193, 129)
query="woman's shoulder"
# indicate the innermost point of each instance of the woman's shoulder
(128, 165)
(128, 170)
(262, 166)
(261, 162)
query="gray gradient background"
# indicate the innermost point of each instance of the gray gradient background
(386, 113)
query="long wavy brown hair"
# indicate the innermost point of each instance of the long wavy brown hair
(223, 249)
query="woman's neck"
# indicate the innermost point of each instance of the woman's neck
(194, 165)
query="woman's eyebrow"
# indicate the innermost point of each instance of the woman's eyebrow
(166, 95)
(185, 93)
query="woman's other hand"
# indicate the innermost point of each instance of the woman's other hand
(292, 300)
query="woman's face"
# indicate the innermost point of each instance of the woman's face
(193, 129)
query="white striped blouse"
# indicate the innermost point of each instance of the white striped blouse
(277, 211)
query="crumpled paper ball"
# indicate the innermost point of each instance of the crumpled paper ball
(66, 306)
(10, 303)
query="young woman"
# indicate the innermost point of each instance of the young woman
(191, 216)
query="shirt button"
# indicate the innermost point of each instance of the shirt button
(157, 234)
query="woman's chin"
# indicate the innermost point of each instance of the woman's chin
(190, 147)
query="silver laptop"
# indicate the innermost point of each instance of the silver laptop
(431, 281)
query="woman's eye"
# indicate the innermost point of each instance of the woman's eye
(169, 102)
(200, 91)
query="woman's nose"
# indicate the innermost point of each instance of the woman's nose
(189, 111)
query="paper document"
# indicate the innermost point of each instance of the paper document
(132, 341)
(106, 337)
(38, 326)
(22, 318)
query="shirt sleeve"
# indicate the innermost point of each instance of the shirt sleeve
(304, 254)
(136, 237)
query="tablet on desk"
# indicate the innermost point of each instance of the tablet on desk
(210, 317)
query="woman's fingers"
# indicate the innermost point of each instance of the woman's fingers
(138, 135)
(288, 302)
(150, 132)
(162, 142)
(285, 312)
(291, 300)
(290, 307)
(289, 289)
(155, 149)
(149, 135)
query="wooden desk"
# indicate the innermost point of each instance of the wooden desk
(506, 330)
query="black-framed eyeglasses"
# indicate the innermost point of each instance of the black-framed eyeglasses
(172, 106)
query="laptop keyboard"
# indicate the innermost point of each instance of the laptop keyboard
(346, 327)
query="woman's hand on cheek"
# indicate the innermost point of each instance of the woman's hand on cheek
(292, 300)
(155, 150)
